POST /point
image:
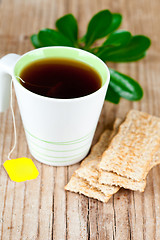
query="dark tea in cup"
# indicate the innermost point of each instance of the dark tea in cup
(60, 78)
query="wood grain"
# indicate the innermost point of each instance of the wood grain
(41, 209)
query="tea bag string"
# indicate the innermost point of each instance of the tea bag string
(14, 122)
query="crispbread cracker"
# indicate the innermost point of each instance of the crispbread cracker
(88, 169)
(92, 188)
(111, 178)
(114, 179)
(131, 150)
(102, 179)
(90, 173)
(79, 185)
(155, 161)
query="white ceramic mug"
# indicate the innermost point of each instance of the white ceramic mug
(59, 132)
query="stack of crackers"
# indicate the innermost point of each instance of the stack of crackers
(121, 158)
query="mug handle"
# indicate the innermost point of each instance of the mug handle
(7, 64)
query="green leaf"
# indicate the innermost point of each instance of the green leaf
(97, 27)
(50, 37)
(118, 38)
(133, 51)
(135, 58)
(68, 26)
(35, 41)
(119, 46)
(112, 96)
(125, 86)
(82, 39)
(115, 23)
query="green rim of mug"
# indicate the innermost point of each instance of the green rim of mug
(64, 52)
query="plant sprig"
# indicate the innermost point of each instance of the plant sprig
(118, 46)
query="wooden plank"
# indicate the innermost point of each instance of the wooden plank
(59, 223)
(46, 208)
(135, 213)
(76, 211)
(106, 220)
(122, 226)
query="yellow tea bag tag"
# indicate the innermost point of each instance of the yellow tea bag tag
(21, 169)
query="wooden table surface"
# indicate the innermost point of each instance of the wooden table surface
(41, 209)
